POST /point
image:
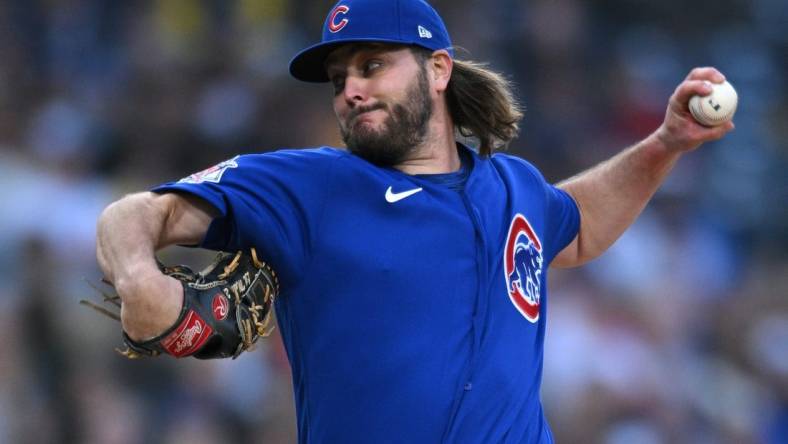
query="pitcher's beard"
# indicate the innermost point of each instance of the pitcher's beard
(403, 130)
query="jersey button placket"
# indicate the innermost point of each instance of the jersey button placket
(480, 308)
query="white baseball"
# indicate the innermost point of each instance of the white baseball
(716, 108)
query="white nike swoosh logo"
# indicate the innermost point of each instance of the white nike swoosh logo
(392, 197)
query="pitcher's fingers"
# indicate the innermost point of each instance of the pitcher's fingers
(706, 73)
(717, 132)
(689, 88)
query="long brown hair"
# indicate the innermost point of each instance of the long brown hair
(481, 103)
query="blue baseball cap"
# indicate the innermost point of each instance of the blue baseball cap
(408, 22)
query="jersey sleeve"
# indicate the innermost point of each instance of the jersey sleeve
(560, 212)
(563, 220)
(269, 201)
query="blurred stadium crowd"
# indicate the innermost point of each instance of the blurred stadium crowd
(678, 334)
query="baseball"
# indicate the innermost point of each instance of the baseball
(716, 108)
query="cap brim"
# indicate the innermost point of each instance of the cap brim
(309, 65)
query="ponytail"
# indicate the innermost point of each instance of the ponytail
(483, 106)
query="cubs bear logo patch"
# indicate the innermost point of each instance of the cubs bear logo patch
(523, 267)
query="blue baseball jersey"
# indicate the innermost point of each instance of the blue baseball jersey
(412, 309)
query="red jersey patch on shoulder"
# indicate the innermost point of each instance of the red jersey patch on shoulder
(213, 174)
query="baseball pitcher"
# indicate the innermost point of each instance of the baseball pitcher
(407, 270)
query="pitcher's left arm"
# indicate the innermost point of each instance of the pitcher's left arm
(611, 195)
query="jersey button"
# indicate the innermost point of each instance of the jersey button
(468, 386)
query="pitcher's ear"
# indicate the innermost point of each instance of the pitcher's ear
(441, 64)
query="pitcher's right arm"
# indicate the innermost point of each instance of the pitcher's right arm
(129, 232)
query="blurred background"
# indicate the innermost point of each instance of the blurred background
(679, 334)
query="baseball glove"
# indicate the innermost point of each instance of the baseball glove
(226, 309)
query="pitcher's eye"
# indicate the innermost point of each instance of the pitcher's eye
(372, 65)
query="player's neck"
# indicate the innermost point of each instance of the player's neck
(437, 154)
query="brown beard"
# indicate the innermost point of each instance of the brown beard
(402, 131)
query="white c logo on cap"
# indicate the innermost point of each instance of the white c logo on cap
(333, 26)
